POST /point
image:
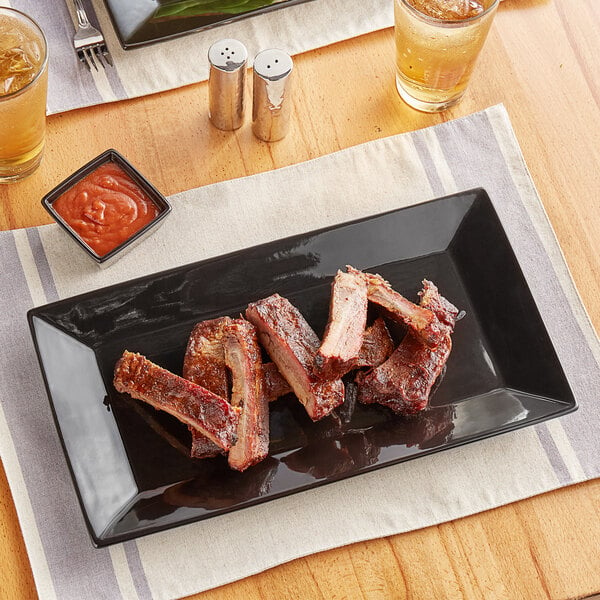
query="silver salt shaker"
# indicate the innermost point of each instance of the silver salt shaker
(271, 106)
(226, 81)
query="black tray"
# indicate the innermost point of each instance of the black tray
(143, 22)
(129, 462)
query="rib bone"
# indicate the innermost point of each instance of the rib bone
(190, 403)
(292, 345)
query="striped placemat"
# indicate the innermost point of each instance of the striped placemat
(41, 265)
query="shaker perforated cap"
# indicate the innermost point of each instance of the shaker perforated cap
(226, 82)
(271, 107)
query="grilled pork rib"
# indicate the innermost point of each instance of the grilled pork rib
(190, 403)
(204, 364)
(418, 318)
(275, 383)
(243, 357)
(293, 345)
(377, 345)
(346, 326)
(404, 381)
(443, 309)
(204, 361)
(203, 447)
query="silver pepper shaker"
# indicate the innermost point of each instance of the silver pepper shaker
(226, 82)
(271, 106)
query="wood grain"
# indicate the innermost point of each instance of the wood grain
(541, 62)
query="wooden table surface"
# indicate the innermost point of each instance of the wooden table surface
(541, 62)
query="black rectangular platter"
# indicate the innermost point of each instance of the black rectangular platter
(129, 462)
(142, 22)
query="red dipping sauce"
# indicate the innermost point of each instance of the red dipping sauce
(105, 208)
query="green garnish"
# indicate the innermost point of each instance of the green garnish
(198, 8)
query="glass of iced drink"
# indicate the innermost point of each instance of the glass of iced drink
(23, 86)
(437, 45)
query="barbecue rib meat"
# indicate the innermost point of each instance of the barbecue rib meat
(204, 361)
(203, 447)
(419, 319)
(404, 381)
(293, 345)
(204, 364)
(190, 403)
(444, 310)
(377, 345)
(275, 383)
(346, 326)
(243, 357)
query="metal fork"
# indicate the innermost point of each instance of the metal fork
(89, 42)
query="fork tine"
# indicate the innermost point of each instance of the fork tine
(99, 56)
(89, 41)
(81, 56)
(89, 58)
(107, 55)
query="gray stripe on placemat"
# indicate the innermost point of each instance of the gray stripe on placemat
(428, 163)
(62, 533)
(65, 73)
(553, 453)
(43, 267)
(579, 364)
(137, 570)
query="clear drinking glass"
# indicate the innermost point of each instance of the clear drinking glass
(23, 89)
(437, 45)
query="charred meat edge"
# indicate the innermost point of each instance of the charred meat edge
(243, 357)
(190, 403)
(345, 329)
(292, 345)
(203, 447)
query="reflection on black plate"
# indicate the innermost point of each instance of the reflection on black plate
(129, 462)
(142, 22)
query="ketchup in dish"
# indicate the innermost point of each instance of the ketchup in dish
(106, 208)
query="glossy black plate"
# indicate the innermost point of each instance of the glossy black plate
(143, 22)
(129, 462)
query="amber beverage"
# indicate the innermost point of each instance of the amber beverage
(23, 87)
(437, 45)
